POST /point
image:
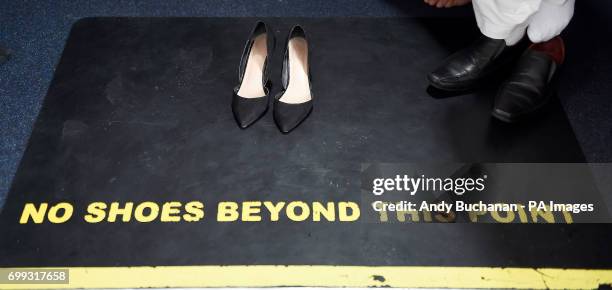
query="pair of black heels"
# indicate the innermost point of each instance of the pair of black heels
(293, 104)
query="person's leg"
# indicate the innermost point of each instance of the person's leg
(550, 20)
(503, 19)
(531, 84)
(503, 24)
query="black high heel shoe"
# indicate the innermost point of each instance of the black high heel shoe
(294, 103)
(251, 96)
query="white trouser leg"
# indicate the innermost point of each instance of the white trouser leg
(550, 20)
(510, 19)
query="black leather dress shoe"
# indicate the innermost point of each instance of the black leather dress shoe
(294, 103)
(469, 67)
(251, 97)
(528, 88)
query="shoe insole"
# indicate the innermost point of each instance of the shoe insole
(252, 82)
(298, 89)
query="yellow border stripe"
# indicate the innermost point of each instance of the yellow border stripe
(328, 276)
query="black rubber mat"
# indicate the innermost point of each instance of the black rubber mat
(139, 110)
